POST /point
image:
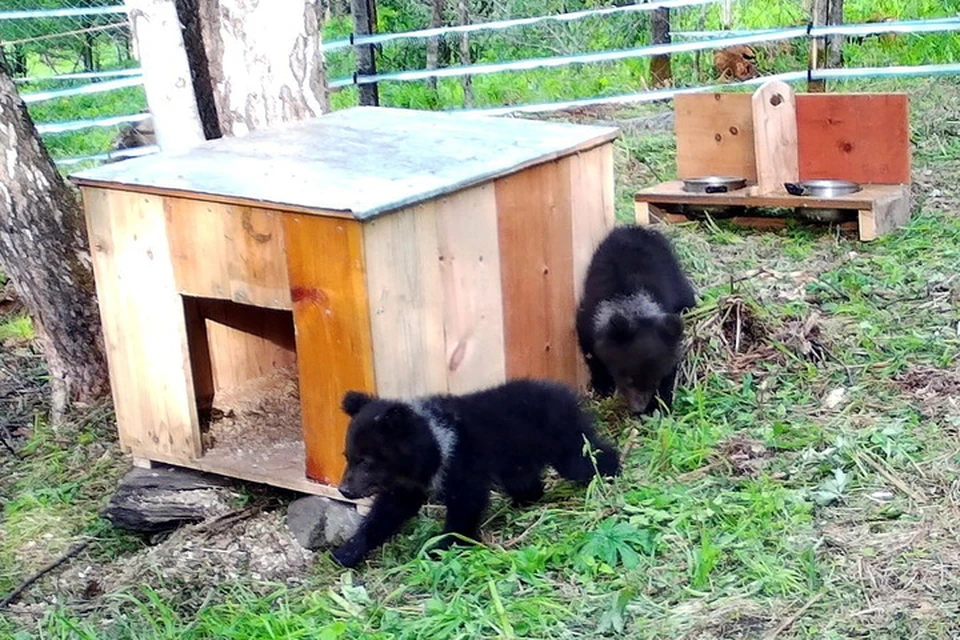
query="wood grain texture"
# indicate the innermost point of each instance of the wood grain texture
(672, 193)
(536, 264)
(887, 214)
(592, 204)
(283, 471)
(243, 343)
(228, 252)
(406, 302)
(434, 284)
(775, 136)
(859, 137)
(143, 324)
(325, 262)
(366, 161)
(469, 260)
(715, 135)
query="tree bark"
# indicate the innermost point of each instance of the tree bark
(463, 16)
(818, 16)
(835, 42)
(433, 44)
(189, 13)
(265, 62)
(363, 25)
(166, 74)
(660, 72)
(44, 251)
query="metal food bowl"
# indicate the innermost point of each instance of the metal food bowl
(708, 185)
(822, 189)
(713, 184)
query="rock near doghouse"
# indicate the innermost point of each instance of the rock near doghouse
(318, 522)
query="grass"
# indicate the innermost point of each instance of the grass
(809, 468)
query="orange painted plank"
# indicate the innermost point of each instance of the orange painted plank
(535, 234)
(332, 321)
(859, 137)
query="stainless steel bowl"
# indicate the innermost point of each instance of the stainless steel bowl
(822, 188)
(713, 184)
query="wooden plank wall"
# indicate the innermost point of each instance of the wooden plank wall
(228, 252)
(715, 135)
(593, 215)
(862, 137)
(143, 324)
(233, 343)
(535, 228)
(433, 274)
(325, 262)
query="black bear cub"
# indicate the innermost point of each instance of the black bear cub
(456, 448)
(628, 322)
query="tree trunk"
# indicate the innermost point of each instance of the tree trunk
(661, 74)
(835, 42)
(44, 251)
(818, 16)
(463, 16)
(189, 13)
(265, 62)
(433, 44)
(363, 25)
(166, 74)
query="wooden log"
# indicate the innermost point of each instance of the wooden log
(160, 499)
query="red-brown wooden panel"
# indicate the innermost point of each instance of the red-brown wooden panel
(860, 137)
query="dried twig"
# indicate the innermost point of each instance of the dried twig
(786, 624)
(23, 586)
(514, 541)
(890, 477)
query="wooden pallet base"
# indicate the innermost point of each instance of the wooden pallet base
(880, 208)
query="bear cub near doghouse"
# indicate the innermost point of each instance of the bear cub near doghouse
(628, 322)
(456, 448)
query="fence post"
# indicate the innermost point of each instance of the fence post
(818, 17)
(363, 25)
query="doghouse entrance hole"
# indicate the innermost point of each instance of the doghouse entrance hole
(244, 364)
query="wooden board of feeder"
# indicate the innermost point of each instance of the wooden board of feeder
(715, 135)
(860, 137)
(329, 165)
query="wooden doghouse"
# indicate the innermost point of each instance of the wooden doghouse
(247, 284)
(864, 138)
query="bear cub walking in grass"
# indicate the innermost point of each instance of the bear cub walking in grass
(457, 447)
(628, 322)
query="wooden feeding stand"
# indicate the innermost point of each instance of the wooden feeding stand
(247, 284)
(774, 137)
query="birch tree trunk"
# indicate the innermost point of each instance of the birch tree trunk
(265, 61)
(166, 73)
(44, 251)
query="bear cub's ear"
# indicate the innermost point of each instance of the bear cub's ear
(671, 327)
(354, 401)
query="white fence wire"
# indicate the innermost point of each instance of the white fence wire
(106, 80)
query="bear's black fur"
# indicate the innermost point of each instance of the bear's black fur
(457, 447)
(628, 322)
